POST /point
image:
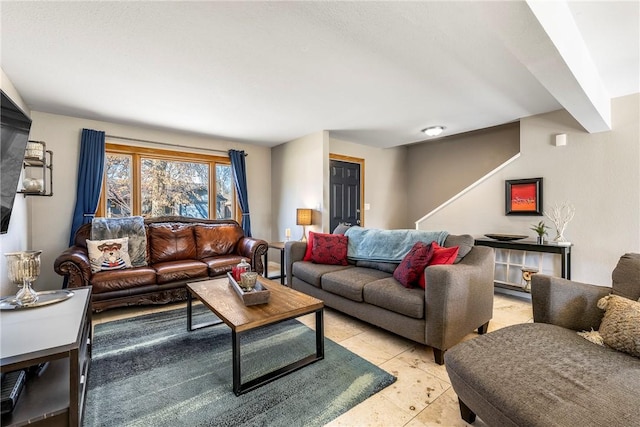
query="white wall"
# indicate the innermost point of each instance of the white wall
(297, 171)
(385, 183)
(16, 238)
(598, 173)
(50, 221)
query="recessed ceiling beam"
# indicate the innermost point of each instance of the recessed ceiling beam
(578, 87)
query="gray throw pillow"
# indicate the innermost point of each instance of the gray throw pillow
(341, 229)
(463, 241)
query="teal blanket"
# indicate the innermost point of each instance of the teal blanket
(370, 244)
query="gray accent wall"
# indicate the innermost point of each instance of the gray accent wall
(440, 169)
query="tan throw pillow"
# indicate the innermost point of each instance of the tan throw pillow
(620, 327)
(111, 254)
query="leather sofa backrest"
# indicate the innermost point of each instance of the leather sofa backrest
(626, 277)
(171, 242)
(216, 239)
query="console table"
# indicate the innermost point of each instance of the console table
(61, 335)
(532, 246)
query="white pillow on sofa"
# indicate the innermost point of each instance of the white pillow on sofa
(110, 254)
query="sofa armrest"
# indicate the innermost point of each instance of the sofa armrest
(74, 263)
(254, 249)
(293, 251)
(565, 303)
(459, 297)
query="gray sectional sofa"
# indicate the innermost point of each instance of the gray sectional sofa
(544, 373)
(458, 298)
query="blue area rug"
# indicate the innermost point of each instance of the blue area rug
(149, 371)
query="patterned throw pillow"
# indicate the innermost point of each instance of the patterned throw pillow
(411, 269)
(111, 254)
(329, 249)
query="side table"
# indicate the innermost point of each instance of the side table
(60, 334)
(279, 246)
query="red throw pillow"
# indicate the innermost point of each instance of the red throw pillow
(329, 249)
(443, 255)
(412, 267)
(440, 256)
(307, 254)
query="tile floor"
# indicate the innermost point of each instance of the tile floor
(421, 396)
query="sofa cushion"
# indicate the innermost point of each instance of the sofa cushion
(173, 271)
(349, 283)
(171, 242)
(108, 281)
(110, 254)
(329, 249)
(220, 265)
(463, 241)
(219, 239)
(412, 266)
(312, 273)
(388, 267)
(626, 276)
(389, 294)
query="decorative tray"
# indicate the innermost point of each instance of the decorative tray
(506, 237)
(259, 295)
(44, 298)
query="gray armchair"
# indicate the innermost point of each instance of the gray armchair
(544, 373)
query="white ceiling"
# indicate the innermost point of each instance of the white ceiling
(370, 72)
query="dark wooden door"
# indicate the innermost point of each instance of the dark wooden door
(344, 182)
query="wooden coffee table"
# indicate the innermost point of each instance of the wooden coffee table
(284, 303)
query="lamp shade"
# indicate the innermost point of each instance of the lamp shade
(303, 216)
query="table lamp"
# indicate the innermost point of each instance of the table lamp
(303, 218)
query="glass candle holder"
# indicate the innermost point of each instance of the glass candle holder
(23, 269)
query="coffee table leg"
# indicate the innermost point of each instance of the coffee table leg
(237, 386)
(319, 334)
(189, 311)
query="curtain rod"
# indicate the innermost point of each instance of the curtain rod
(124, 138)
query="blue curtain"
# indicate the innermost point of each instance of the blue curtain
(240, 177)
(89, 183)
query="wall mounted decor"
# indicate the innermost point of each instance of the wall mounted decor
(523, 196)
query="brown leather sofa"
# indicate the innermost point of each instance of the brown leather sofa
(179, 250)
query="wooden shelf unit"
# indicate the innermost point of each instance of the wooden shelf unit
(518, 256)
(56, 396)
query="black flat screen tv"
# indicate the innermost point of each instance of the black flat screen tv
(13, 143)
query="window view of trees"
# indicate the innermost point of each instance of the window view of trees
(152, 183)
(118, 173)
(174, 188)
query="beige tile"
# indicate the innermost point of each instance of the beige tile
(337, 326)
(414, 388)
(444, 411)
(376, 411)
(376, 345)
(421, 357)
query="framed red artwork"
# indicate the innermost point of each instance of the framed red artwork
(523, 196)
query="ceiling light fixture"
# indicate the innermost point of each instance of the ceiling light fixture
(433, 130)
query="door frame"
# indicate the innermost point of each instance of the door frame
(359, 161)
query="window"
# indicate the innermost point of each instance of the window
(151, 183)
